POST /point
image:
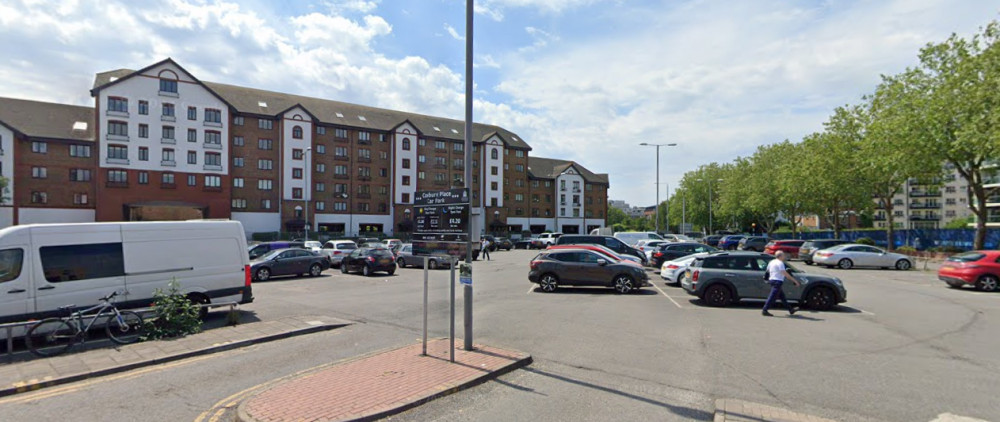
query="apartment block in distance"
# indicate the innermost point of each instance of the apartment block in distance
(160, 144)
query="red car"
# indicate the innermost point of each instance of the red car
(789, 247)
(599, 249)
(975, 268)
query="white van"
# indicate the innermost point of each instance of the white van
(46, 266)
(631, 238)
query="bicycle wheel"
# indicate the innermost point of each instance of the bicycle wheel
(124, 330)
(50, 337)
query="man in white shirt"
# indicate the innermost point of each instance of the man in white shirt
(776, 275)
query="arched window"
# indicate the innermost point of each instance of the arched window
(297, 132)
(168, 81)
(406, 144)
(494, 154)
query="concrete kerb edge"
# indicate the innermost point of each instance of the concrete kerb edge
(243, 416)
(10, 391)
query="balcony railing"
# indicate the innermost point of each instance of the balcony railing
(440, 166)
(341, 176)
(879, 218)
(364, 196)
(341, 158)
(925, 193)
(364, 159)
(364, 178)
(925, 206)
(925, 218)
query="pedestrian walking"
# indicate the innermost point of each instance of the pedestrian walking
(486, 248)
(776, 275)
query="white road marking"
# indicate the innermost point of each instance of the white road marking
(678, 305)
(948, 417)
(531, 289)
(866, 312)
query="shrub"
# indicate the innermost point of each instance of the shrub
(174, 314)
(906, 250)
(865, 241)
(264, 236)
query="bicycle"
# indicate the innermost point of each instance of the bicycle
(52, 336)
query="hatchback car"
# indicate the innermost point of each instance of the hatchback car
(789, 247)
(725, 278)
(712, 240)
(752, 243)
(261, 249)
(852, 255)
(810, 247)
(406, 258)
(288, 262)
(980, 269)
(582, 267)
(336, 250)
(368, 261)
(673, 272)
(671, 251)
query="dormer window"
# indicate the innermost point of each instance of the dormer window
(168, 85)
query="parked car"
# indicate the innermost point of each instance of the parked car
(393, 244)
(712, 240)
(603, 250)
(336, 250)
(293, 261)
(406, 258)
(545, 239)
(582, 267)
(610, 242)
(752, 243)
(631, 238)
(810, 247)
(363, 240)
(525, 243)
(260, 249)
(789, 247)
(975, 268)
(697, 236)
(676, 238)
(649, 246)
(672, 251)
(724, 278)
(312, 245)
(504, 243)
(673, 272)
(852, 255)
(368, 261)
(730, 242)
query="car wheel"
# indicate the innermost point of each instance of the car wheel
(432, 264)
(315, 270)
(718, 295)
(903, 265)
(367, 271)
(624, 284)
(845, 264)
(263, 274)
(343, 268)
(808, 262)
(821, 299)
(680, 280)
(391, 271)
(401, 262)
(548, 283)
(987, 283)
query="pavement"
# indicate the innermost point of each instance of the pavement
(380, 384)
(730, 410)
(38, 373)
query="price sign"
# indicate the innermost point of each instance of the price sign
(441, 221)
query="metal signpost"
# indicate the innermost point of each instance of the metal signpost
(441, 225)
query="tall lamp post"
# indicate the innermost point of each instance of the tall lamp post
(710, 231)
(646, 144)
(306, 195)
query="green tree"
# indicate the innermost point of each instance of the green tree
(616, 216)
(956, 89)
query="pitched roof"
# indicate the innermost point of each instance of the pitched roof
(549, 168)
(270, 103)
(47, 120)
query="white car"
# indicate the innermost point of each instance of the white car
(852, 255)
(673, 272)
(677, 238)
(314, 246)
(336, 250)
(649, 246)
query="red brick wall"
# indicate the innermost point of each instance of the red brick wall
(251, 154)
(58, 163)
(112, 197)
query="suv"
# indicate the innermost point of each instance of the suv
(811, 246)
(730, 242)
(545, 239)
(752, 243)
(712, 240)
(727, 277)
(607, 241)
(582, 267)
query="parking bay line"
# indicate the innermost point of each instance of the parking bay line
(531, 289)
(678, 305)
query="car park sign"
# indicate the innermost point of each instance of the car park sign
(441, 222)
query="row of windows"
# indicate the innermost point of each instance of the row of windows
(121, 177)
(75, 150)
(120, 152)
(120, 105)
(119, 128)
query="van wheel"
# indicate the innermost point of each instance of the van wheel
(315, 270)
(263, 274)
(197, 299)
(718, 295)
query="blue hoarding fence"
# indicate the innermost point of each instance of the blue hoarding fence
(921, 239)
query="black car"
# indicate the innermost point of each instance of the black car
(712, 240)
(752, 243)
(288, 262)
(607, 241)
(810, 247)
(261, 249)
(504, 243)
(672, 251)
(583, 267)
(369, 261)
(524, 243)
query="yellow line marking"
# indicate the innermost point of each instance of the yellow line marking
(56, 391)
(678, 305)
(217, 415)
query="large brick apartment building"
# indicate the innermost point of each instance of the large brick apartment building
(159, 144)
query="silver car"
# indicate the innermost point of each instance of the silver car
(856, 255)
(336, 250)
(406, 258)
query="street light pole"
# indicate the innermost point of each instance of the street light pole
(657, 214)
(710, 231)
(306, 195)
(467, 289)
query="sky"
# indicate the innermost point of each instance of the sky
(582, 80)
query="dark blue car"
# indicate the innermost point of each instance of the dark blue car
(729, 243)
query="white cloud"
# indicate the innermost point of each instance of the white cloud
(486, 61)
(454, 34)
(495, 8)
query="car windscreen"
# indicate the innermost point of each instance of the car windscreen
(967, 257)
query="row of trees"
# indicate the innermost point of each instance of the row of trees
(942, 112)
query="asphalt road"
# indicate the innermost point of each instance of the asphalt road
(903, 348)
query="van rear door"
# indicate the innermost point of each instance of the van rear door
(77, 264)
